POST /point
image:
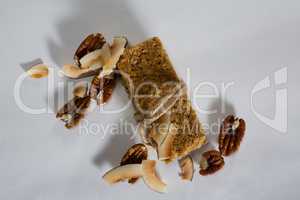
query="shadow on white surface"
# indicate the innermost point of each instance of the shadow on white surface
(213, 122)
(27, 65)
(114, 149)
(112, 18)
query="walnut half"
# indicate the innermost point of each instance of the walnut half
(231, 134)
(211, 162)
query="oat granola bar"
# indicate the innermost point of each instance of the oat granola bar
(174, 130)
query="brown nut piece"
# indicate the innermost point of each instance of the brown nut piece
(80, 90)
(231, 134)
(211, 162)
(102, 88)
(135, 155)
(90, 43)
(73, 111)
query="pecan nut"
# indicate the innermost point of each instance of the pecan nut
(90, 43)
(231, 134)
(73, 111)
(102, 88)
(211, 162)
(135, 155)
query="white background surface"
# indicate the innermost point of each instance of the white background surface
(220, 41)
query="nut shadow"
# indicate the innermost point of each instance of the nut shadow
(59, 95)
(112, 18)
(197, 154)
(214, 120)
(27, 65)
(115, 148)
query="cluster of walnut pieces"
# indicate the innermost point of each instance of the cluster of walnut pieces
(94, 57)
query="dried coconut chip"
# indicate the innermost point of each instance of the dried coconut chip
(146, 169)
(72, 71)
(117, 49)
(97, 58)
(91, 63)
(187, 168)
(38, 71)
(151, 178)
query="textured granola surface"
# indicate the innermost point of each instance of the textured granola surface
(148, 74)
(148, 62)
